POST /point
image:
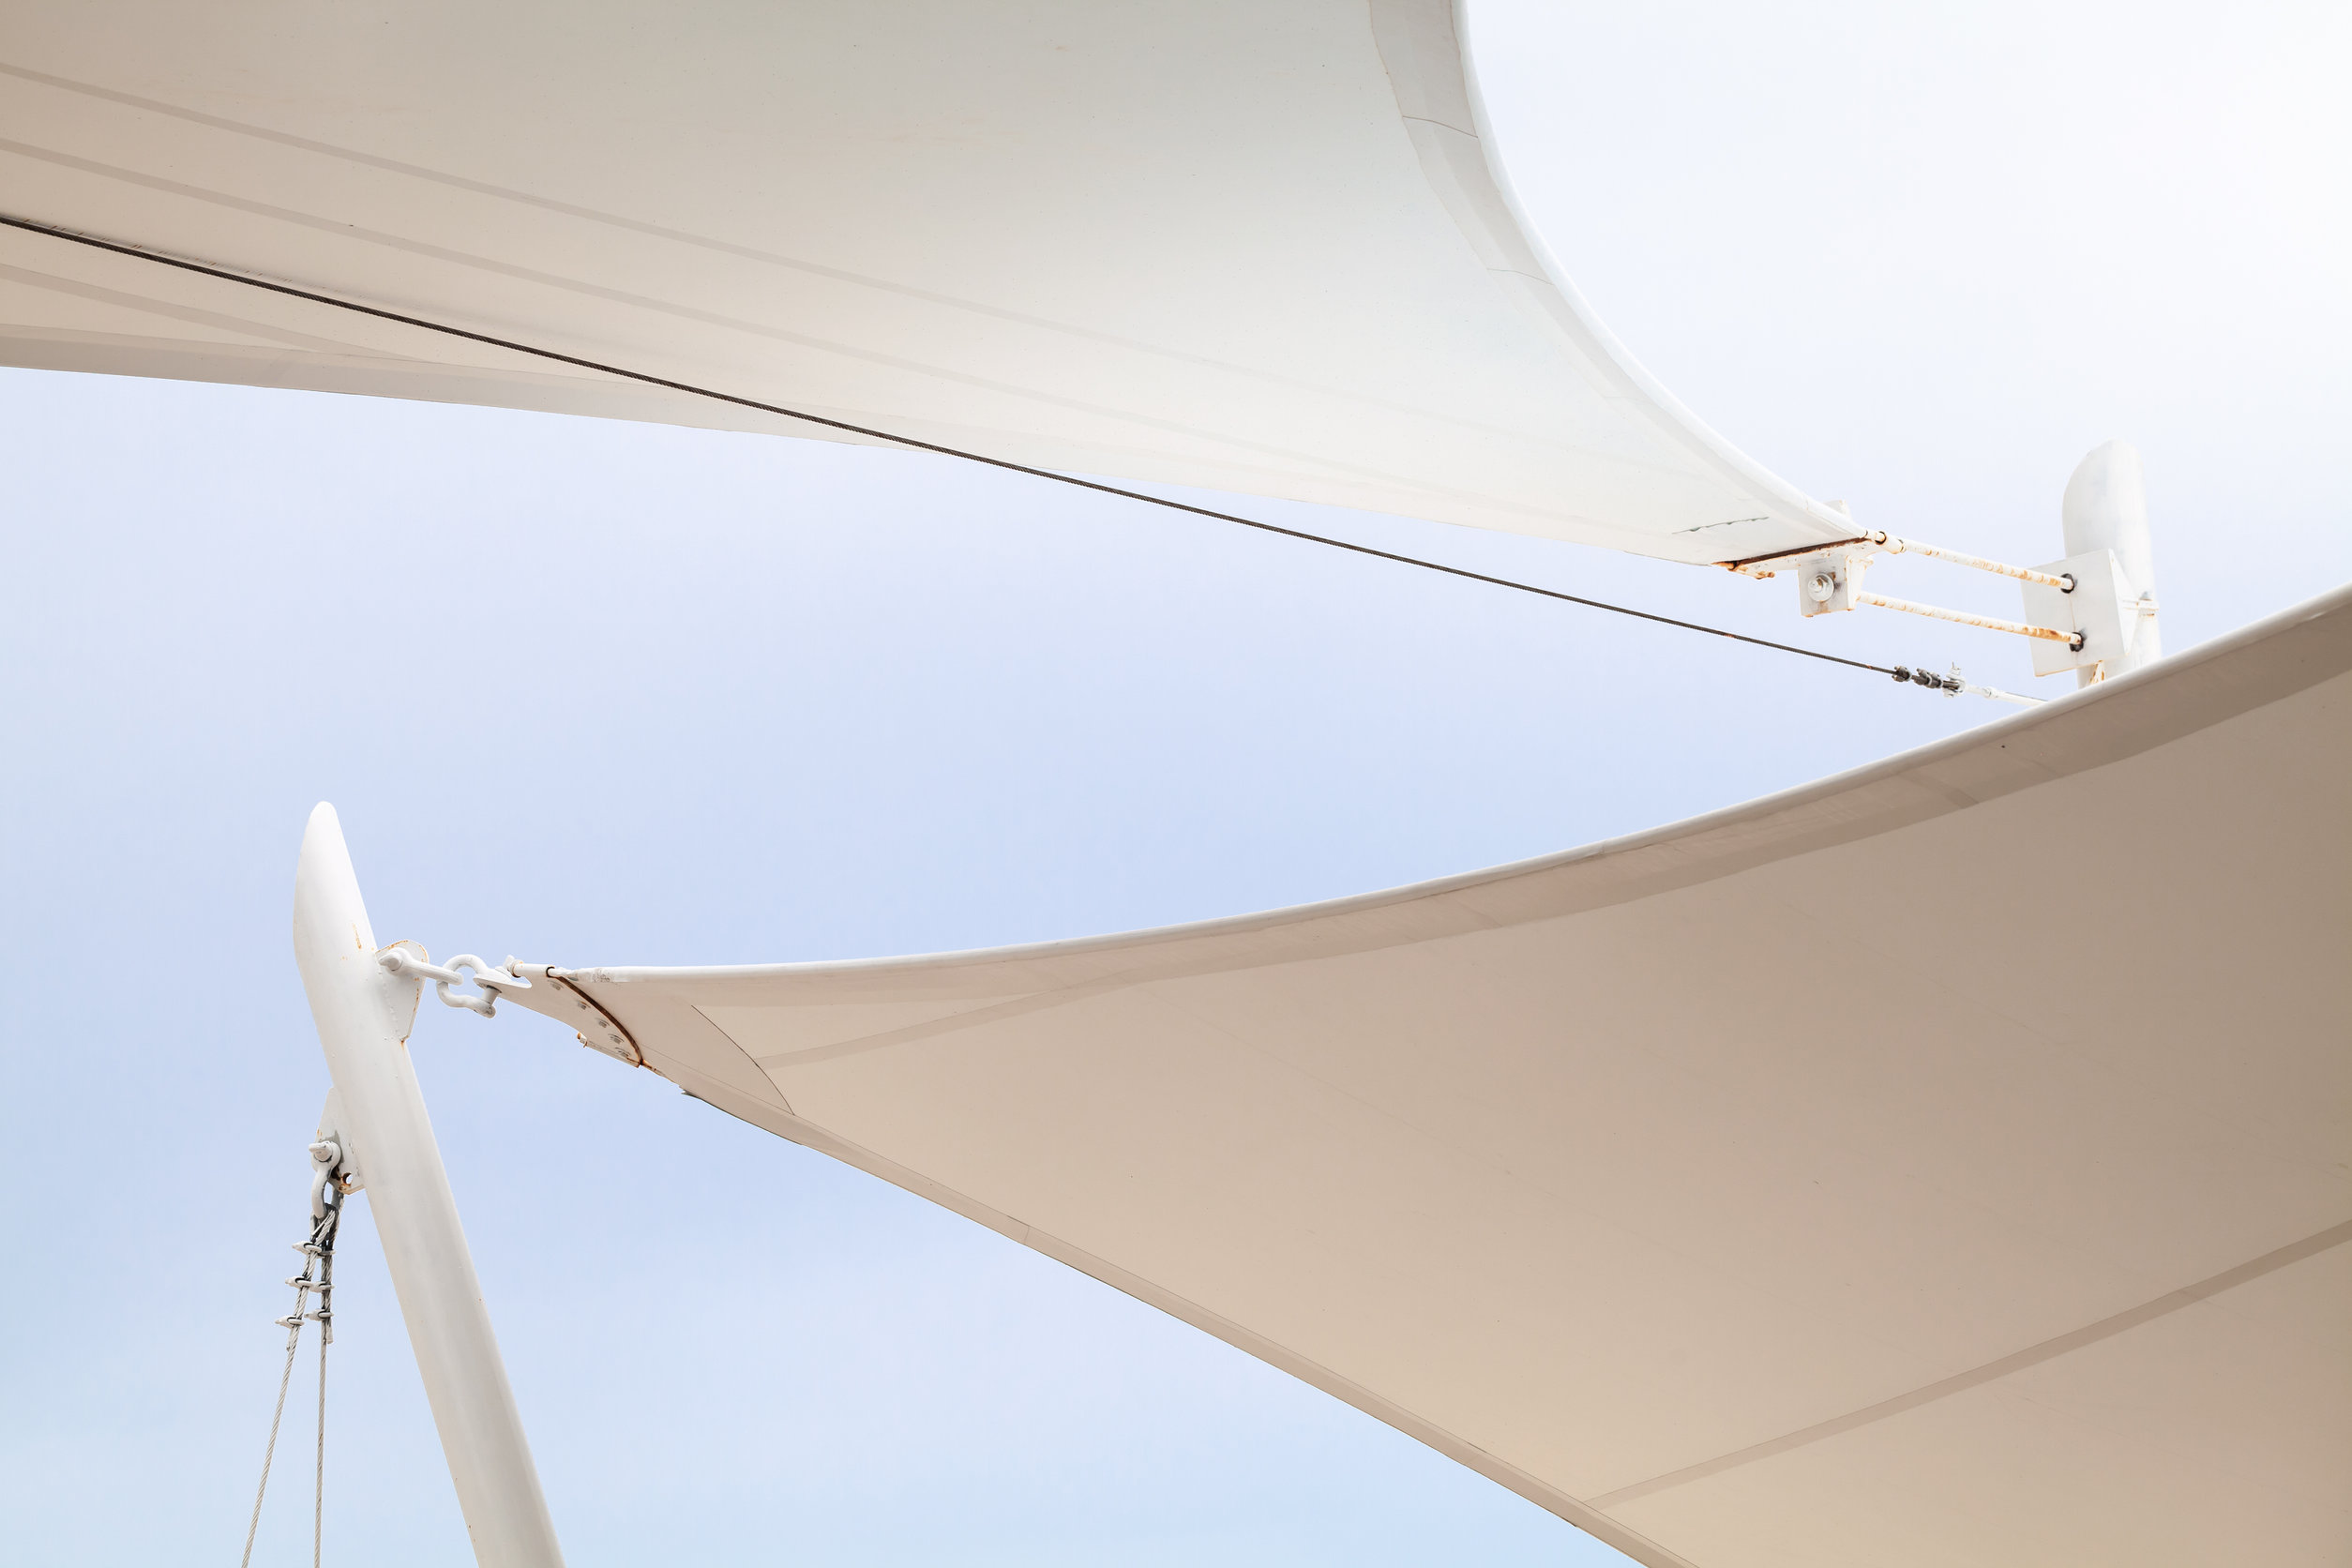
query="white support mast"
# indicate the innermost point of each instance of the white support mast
(2106, 510)
(364, 1014)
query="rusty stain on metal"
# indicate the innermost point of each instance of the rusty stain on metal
(1747, 564)
(1895, 545)
(2072, 639)
(1961, 558)
(617, 1043)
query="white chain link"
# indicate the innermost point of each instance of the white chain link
(492, 979)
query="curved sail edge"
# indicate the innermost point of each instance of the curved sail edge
(1940, 1162)
(1257, 248)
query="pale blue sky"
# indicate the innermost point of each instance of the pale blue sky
(594, 693)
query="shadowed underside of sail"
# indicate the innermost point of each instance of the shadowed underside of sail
(1942, 1164)
(1259, 246)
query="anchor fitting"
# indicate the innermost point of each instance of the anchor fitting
(492, 980)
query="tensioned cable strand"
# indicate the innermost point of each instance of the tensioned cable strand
(293, 1343)
(318, 1482)
(329, 1226)
(139, 253)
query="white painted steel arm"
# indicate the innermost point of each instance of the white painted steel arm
(364, 1016)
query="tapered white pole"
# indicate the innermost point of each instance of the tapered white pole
(2106, 508)
(364, 1016)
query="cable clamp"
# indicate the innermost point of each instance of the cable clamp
(1952, 686)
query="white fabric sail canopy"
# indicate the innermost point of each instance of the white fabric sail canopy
(1943, 1164)
(1946, 1164)
(1261, 247)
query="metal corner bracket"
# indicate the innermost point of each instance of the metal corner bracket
(553, 995)
(541, 988)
